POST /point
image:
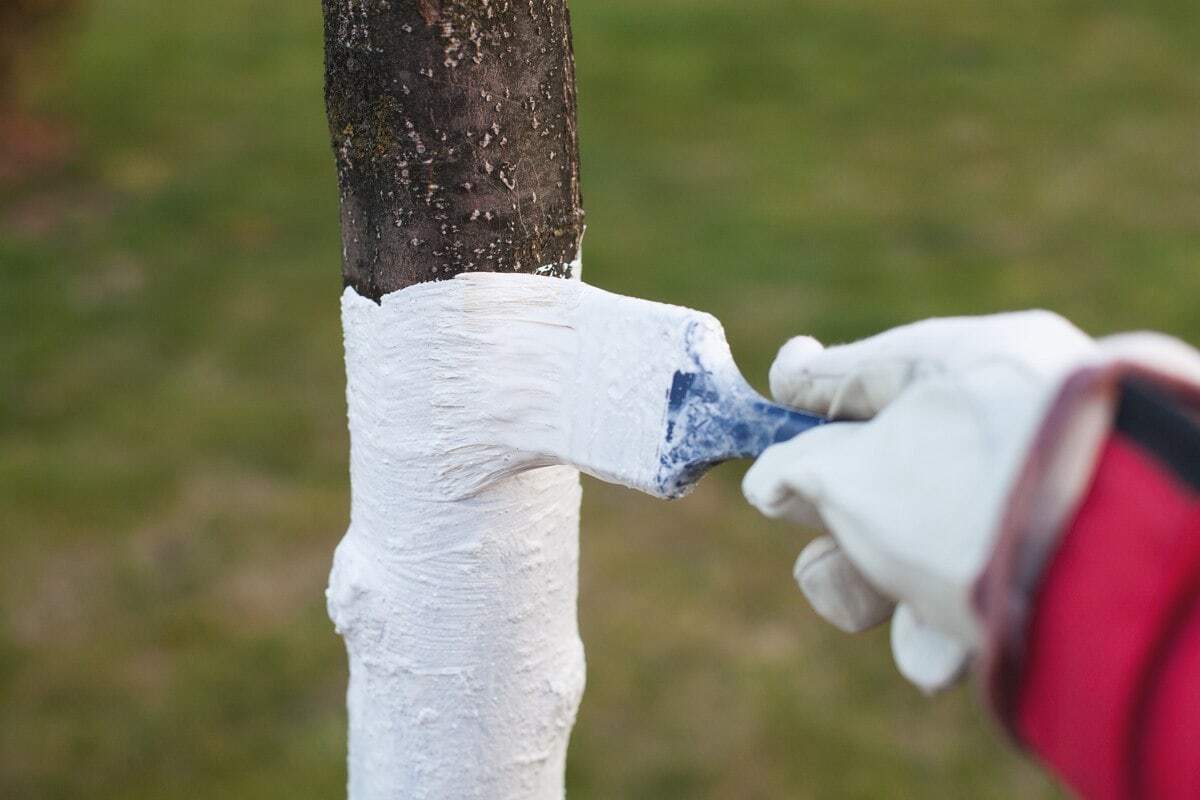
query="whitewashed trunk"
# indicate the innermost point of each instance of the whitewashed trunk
(459, 615)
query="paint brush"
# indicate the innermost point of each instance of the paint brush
(514, 372)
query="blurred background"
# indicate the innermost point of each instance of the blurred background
(173, 471)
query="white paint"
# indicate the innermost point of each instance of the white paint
(466, 667)
(520, 371)
(455, 585)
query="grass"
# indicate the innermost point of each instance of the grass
(172, 442)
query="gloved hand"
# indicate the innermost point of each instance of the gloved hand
(910, 490)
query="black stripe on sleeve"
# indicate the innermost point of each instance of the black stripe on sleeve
(1161, 426)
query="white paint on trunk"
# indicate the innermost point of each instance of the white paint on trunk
(472, 402)
(520, 371)
(458, 612)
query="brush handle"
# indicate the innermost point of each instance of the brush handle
(714, 417)
(767, 423)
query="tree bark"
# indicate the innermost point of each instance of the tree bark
(453, 127)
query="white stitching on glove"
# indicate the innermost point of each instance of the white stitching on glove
(911, 492)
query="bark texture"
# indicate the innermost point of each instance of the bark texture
(453, 128)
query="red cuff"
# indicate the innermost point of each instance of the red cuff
(1110, 691)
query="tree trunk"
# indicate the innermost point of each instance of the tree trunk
(453, 128)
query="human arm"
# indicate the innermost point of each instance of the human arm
(976, 447)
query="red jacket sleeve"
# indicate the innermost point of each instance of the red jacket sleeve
(1109, 693)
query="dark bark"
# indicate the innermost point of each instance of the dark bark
(453, 128)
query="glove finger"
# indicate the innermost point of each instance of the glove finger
(788, 375)
(1155, 351)
(856, 380)
(925, 656)
(852, 381)
(837, 590)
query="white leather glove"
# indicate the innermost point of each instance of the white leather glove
(911, 493)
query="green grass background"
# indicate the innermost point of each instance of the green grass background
(172, 435)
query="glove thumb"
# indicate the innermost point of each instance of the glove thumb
(790, 479)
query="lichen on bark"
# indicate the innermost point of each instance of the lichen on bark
(453, 128)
